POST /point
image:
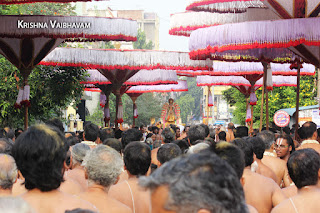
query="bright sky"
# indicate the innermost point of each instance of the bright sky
(163, 8)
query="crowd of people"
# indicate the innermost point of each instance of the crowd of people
(197, 169)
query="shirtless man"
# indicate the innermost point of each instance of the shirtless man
(271, 160)
(197, 183)
(258, 150)
(230, 135)
(8, 174)
(40, 155)
(137, 160)
(76, 174)
(284, 146)
(90, 135)
(304, 170)
(309, 136)
(260, 192)
(103, 166)
(167, 136)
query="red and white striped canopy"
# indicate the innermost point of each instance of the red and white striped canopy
(284, 8)
(224, 6)
(33, 1)
(182, 24)
(26, 40)
(261, 40)
(120, 65)
(182, 86)
(242, 84)
(143, 77)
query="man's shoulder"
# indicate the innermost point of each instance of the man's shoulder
(284, 206)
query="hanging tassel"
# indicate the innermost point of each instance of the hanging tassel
(17, 105)
(210, 99)
(135, 112)
(103, 99)
(106, 114)
(26, 96)
(269, 79)
(253, 98)
(120, 114)
(249, 116)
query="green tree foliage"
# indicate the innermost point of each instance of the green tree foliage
(279, 98)
(189, 102)
(38, 9)
(51, 88)
(141, 42)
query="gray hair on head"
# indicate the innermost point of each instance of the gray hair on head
(103, 165)
(14, 205)
(198, 181)
(198, 147)
(78, 152)
(8, 171)
(267, 137)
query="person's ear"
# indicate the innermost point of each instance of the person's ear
(203, 211)
(290, 148)
(254, 157)
(20, 176)
(242, 181)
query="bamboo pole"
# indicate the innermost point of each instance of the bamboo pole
(297, 101)
(262, 98)
(207, 106)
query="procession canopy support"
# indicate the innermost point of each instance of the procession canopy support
(297, 100)
(265, 67)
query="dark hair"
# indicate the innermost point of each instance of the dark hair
(257, 146)
(56, 123)
(206, 129)
(17, 132)
(247, 149)
(199, 181)
(118, 134)
(10, 134)
(72, 140)
(129, 136)
(196, 132)
(3, 133)
(5, 146)
(241, 131)
(232, 154)
(308, 128)
(303, 166)
(183, 144)
(222, 136)
(137, 158)
(168, 135)
(286, 130)
(289, 141)
(91, 132)
(149, 135)
(168, 152)
(39, 154)
(267, 138)
(105, 134)
(113, 143)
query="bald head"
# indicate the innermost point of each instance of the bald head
(8, 171)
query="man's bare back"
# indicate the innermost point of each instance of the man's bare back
(261, 192)
(306, 201)
(55, 201)
(77, 174)
(104, 203)
(316, 147)
(140, 199)
(266, 171)
(70, 186)
(290, 191)
(279, 167)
